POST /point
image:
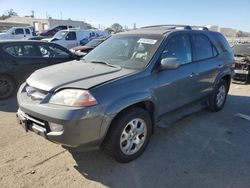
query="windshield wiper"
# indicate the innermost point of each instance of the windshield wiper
(105, 63)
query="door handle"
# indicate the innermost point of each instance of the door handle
(193, 74)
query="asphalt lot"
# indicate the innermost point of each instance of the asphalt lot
(202, 150)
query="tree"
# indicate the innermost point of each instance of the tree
(11, 12)
(116, 27)
(239, 34)
(8, 13)
(109, 30)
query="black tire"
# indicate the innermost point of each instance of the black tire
(7, 87)
(213, 102)
(112, 145)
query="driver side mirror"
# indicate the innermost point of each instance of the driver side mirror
(13, 33)
(169, 63)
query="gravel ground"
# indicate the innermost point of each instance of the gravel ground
(202, 150)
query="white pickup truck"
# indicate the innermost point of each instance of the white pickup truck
(16, 33)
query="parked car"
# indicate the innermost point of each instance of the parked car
(116, 97)
(53, 30)
(37, 38)
(16, 33)
(242, 64)
(18, 59)
(83, 50)
(72, 37)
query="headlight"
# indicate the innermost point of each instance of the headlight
(73, 97)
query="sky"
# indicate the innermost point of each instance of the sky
(225, 13)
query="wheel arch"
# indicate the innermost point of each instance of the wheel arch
(147, 103)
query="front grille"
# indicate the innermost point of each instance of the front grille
(37, 121)
(240, 66)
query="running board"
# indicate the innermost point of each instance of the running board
(172, 117)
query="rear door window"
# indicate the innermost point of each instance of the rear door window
(21, 50)
(27, 31)
(179, 47)
(203, 48)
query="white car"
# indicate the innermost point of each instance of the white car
(16, 33)
(72, 37)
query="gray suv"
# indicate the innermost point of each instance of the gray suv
(116, 96)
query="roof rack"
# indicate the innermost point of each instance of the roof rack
(169, 26)
(177, 27)
(200, 28)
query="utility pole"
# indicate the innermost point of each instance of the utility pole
(61, 15)
(32, 13)
(134, 26)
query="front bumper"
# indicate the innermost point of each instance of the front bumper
(81, 126)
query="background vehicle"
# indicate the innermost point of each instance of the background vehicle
(18, 59)
(83, 50)
(242, 64)
(17, 33)
(125, 87)
(53, 30)
(72, 37)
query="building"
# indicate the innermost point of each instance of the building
(40, 24)
(228, 32)
(213, 27)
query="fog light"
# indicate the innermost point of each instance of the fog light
(55, 127)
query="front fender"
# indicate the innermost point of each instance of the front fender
(118, 105)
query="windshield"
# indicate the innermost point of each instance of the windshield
(129, 51)
(94, 42)
(243, 49)
(60, 35)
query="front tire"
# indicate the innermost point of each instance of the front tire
(128, 135)
(7, 87)
(218, 97)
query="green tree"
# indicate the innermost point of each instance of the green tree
(116, 27)
(7, 14)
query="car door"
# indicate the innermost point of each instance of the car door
(28, 33)
(19, 33)
(53, 54)
(24, 59)
(209, 66)
(177, 87)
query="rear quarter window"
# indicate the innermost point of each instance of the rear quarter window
(222, 42)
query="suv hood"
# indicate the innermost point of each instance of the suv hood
(74, 74)
(4, 35)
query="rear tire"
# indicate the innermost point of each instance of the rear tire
(218, 97)
(128, 135)
(7, 87)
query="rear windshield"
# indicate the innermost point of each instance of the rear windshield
(242, 49)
